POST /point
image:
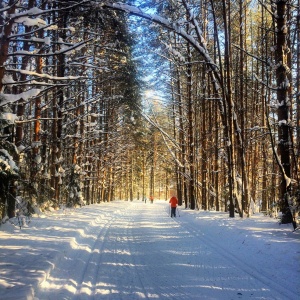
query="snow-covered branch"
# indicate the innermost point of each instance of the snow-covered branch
(173, 26)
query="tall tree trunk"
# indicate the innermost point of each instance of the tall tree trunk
(131, 176)
(265, 196)
(204, 157)
(182, 195)
(6, 30)
(176, 138)
(37, 158)
(242, 100)
(298, 85)
(229, 102)
(283, 108)
(144, 175)
(191, 148)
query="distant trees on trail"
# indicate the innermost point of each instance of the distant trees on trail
(75, 127)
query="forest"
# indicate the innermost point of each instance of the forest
(104, 100)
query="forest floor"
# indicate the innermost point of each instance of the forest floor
(134, 250)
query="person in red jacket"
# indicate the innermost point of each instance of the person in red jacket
(173, 202)
(151, 199)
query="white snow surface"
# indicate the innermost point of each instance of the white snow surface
(134, 250)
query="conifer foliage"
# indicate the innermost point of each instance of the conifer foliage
(68, 87)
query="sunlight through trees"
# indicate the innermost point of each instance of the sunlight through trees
(131, 99)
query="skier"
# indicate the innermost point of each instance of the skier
(174, 202)
(151, 199)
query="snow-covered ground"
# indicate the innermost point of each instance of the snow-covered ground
(133, 250)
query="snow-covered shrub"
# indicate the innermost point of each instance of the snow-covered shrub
(9, 170)
(74, 197)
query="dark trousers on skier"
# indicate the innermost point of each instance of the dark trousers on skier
(173, 212)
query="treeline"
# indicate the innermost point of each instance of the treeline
(226, 138)
(234, 86)
(237, 105)
(69, 93)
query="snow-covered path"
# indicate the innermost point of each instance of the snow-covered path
(135, 250)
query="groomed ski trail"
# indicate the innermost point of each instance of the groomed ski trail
(133, 250)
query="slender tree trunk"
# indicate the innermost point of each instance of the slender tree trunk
(265, 196)
(176, 137)
(37, 158)
(204, 157)
(190, 133)
(229, 102)
(131, 177)
(143, 174)
(4, 41)
(283, 109)
(182, 195)
(242, 100)
(298, 86)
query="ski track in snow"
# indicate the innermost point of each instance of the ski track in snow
(132, 250)
(129, 258)
(277, 290)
